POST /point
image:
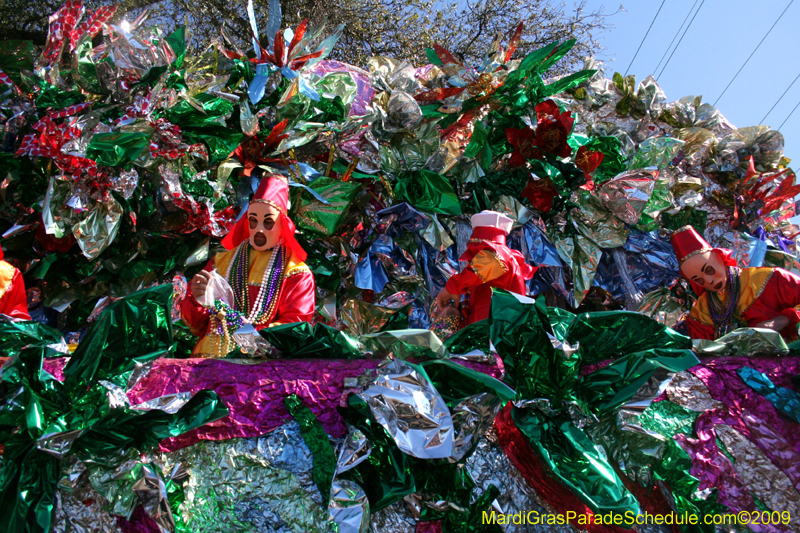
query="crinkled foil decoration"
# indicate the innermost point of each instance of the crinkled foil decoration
(362, 318)
(79, 508)
(489, 465)
(656, 152)
(396, 518)
(689, 391)
(408, 406)
(405, 343)
(355, 449)
(170, 403)
(583, 256)
(349, 507)
(751, 342)
(760, 475)
(627, 194)
(662, 307)
(246, 485)
(472, 417)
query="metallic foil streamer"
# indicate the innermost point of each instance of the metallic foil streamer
(323, 218)
(594, 222)
(762, 477)
(407, 405)
(785, 400)
(363, 318)
(349, 507)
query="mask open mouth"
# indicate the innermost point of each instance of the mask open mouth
(259, 239)
(718, 286)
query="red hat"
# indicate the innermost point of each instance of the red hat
(273, 190)
(687, 243)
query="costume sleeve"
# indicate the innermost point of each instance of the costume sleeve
(193, 314)
(463, 281)
(698, 330)
(784, 288)
(297, 302)
(484, 267)
(14, 302)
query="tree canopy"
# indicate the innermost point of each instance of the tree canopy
(391, 28)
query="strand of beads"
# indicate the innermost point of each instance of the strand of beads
(273, 290)
(724, 314)
(227, 318)
(261, 300)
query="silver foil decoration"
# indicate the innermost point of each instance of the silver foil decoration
(349, 507)
(396, 518)
(404, 343)
(169, 403)
(58, 444)
(627, 194)
(79, 508)
(354, 450)
(412, 411)
(472, 417)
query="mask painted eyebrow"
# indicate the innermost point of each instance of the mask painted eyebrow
(701, 270)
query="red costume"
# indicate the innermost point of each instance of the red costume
(764, 293)
(289, 295)
(490, 264)
(13, 302)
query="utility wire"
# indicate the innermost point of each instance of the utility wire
(779, 99)
(675, 36)
(645, 37)
(681, 39)
(753, 52)
(787, 118)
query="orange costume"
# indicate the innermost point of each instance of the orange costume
(13, 302)
(761, 293)
(279, 286)
(490, 264)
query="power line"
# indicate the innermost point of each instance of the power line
(645, 37)
(787, 118)
(681, 39)
(753, 52)
(779, 99)
(675, 36)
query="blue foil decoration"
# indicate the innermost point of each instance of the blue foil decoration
(651, 264)
(785, 400)
(406, 218)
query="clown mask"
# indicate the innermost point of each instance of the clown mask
(265, 226)
(707, 270)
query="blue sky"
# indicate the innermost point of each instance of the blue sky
(720, 39)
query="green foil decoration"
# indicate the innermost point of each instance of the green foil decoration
(302, 340)
(389, 475)
(427, 191)
(310, 213)
(43, 421)
(16, 335)
(317, 441)
(543, 362)
(116, 149)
